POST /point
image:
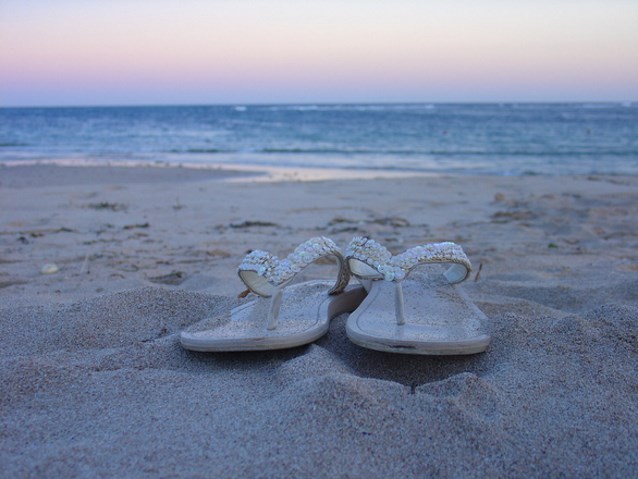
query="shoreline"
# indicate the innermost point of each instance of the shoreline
(92, 366)
(271, 174)
(232, 172)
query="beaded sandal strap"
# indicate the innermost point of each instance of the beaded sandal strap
(370, 260)
(264, 273)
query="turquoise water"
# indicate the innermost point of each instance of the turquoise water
(504, 139)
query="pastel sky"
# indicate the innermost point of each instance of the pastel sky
(82, 52)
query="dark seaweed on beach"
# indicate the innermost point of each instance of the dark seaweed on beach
(248, 224)
(105, 205)
(134, 226)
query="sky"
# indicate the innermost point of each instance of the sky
(143, 52)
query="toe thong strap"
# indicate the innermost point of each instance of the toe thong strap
(263, 273)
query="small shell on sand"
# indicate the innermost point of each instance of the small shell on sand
(49, 268)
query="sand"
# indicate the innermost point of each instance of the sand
(95, 384)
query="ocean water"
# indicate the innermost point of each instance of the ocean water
(503, 139)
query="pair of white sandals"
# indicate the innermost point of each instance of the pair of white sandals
(397, 309)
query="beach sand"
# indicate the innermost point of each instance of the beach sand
(95, 384)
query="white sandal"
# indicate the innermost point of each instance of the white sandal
(293, 315)
(435, 317)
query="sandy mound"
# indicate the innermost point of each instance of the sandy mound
(101, 387)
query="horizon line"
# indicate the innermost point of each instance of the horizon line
(326, 103)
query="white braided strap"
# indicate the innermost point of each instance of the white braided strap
(270, 273)
(382, 265)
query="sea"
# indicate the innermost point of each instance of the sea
(477, 139)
